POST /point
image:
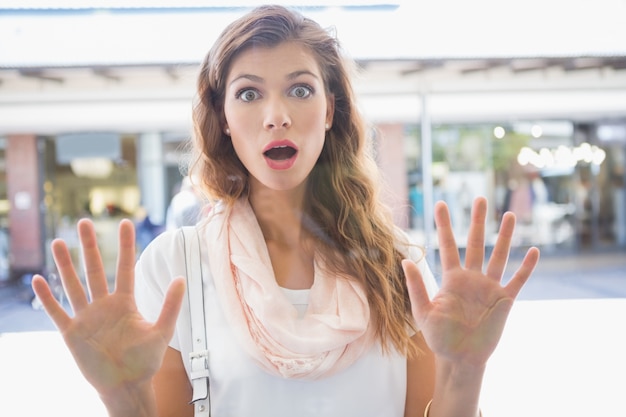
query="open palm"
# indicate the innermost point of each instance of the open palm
(465, 319)
(110, 341)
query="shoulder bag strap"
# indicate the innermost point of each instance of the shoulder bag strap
(199, 355)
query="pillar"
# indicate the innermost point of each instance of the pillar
(151, 173)
(24, 192)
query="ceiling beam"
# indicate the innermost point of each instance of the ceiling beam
(40, 74)
(106, 73)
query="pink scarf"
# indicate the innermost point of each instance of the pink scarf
(334, 331)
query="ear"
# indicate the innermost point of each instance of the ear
(330, 109)
(224, 124)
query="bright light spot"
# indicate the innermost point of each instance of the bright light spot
(586, 152)
(547, 159)
(598, 156)
(565, 156)
(524, 156)
(499, 132)
(536, 131)
(561, 157)
(92, 167)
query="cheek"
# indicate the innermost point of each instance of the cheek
(238, 128)
(230, 118)
(232, 112)
(240, 148)
(314, 119)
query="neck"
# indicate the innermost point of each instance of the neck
(279, 214)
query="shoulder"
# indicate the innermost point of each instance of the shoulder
(163, 257)
(165, 243)
(160, 262)
(166, 252)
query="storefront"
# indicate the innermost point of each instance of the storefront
(485, 101)
(563, 180)
(103, 176)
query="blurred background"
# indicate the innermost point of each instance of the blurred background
(521, 102)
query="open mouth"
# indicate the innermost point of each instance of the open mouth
(280, 153)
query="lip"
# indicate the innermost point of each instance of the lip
(279, 143)
(283, 163)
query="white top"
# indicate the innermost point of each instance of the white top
(298, 298)
(373, 386)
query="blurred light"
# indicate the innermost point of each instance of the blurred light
(48, 187)
(599, 155)
(583, 152)
(439, 170)
(98, 201)
(561, 157)
(547, 159)
(525, 155)
(499, 132)
(565, 157)
(536, 131)
(92, 167)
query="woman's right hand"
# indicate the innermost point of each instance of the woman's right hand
(116, 349)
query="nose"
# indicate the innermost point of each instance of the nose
(277, 114)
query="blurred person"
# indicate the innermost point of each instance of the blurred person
(145, 229)
(520, 200)
(316, 303)
(185, 209)
(416, 196)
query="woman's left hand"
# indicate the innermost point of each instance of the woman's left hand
(465, 319)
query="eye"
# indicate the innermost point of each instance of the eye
(248, 94)
(301, 91)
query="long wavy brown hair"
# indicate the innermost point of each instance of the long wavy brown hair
(342, 209)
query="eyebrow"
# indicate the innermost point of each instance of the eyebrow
(296, 74)
(257, 79)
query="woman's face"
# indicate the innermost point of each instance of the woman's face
(276, 111)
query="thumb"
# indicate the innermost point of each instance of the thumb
(171, 307)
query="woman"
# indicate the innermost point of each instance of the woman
(315, 303)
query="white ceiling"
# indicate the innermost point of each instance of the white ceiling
(485, 60)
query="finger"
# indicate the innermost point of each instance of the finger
(125, 280)
(52, 307)
(171, 307)
(523, 272)
(94, 269)
(500, 255)
(420, 302)
(475, 251)
(447, 245)
(71, 282)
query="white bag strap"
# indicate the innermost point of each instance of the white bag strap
(199, 355)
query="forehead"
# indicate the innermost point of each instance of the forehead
(282, 59)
